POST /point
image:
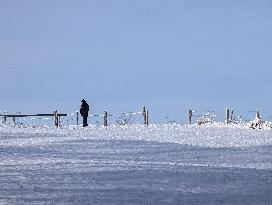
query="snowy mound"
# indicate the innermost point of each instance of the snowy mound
(212, 135)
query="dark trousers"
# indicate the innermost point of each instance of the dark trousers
(85, 121)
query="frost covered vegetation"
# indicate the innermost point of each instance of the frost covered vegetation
(134, 164)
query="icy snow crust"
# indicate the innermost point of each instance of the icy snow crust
(158, 164)
(212, 135)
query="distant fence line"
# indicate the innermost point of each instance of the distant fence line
(124, 118)
(129, 117)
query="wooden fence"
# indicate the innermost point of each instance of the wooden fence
(56, 116)
(192, 117)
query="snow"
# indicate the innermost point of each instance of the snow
(133, 164)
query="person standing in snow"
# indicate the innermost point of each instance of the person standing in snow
(84, 109)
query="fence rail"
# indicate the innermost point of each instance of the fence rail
(56, 116)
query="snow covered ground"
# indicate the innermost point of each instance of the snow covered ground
(158, 164)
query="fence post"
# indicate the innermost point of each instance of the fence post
(56, 118)
(105, 118)
(147, 118)
(231, 116)
(144, 110)
(144, 114)
(258, 114)
(227, 116)
(190, 116)
(77, 118)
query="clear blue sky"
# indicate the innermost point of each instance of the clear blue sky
(171, 55)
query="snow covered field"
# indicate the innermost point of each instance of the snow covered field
(159, 164)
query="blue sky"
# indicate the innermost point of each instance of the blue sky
(169, 55)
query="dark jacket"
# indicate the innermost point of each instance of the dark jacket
(84, 109)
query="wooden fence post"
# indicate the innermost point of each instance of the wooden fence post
(145, 114)
(56, 118)
(227, 116)
(77, 118)
(190, 116)
(144, 110)
(231, 116)
(147, 118)
(105, 118)
(258, 114)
